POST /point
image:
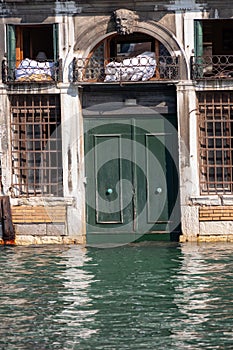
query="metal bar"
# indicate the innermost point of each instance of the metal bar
(30, 71)
(35, 169)
(97, 69)
(212, 67)
(215, 141)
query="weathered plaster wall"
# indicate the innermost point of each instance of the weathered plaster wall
(189, 178)
(73, 159)
(82, 25)
(74, 192)
(5, 140)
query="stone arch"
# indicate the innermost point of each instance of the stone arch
(89, 39)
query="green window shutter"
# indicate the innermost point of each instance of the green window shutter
(198, 38)
(11, 46)
(198, 48)
(55, 42)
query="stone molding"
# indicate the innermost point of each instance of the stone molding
(98, 31)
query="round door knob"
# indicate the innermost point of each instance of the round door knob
(159, 190)
(109, 191)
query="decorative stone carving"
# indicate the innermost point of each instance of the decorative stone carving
(125, 21)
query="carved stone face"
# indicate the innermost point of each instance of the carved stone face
(124, 20)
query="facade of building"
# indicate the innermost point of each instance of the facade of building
(116, 120)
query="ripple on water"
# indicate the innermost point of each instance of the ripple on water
(145, 296)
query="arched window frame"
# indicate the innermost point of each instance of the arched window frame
(91, 68)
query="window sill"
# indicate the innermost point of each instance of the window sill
(215, 200)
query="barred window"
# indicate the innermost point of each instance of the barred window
(216, 141)
(36, 145)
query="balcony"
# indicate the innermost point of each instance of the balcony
(212, 67)
(126, 69)
(31, 71)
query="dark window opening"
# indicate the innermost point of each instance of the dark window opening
(32, 53)
(33, 41)
(213, 48)
(214, 35)
(131, 45)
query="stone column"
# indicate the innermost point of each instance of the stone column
(188, 158)
(73, 161)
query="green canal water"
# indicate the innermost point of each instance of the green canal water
(159, 295)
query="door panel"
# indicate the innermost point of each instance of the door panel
(109, 177)
(108, 173)
(156, 179)
(132, 183)
(155, 135)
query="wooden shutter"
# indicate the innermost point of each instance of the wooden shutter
(198, 38)
(19, 45)
(198, 48)
(55, 41)
(11, 45)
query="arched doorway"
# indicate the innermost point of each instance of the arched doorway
(131, 142)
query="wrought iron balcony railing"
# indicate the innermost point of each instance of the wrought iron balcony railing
(139, 68)
(31, 71)
(212, 67)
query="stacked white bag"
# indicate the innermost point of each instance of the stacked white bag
(141, 67)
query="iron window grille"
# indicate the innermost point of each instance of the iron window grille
(36, 145)
(216, 142)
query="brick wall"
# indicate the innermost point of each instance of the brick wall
(38, 214)
(216, 213)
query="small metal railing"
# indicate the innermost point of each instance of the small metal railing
(31, 71)
(212, 67)
(125, 69)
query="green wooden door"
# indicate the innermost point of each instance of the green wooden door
(131, 176)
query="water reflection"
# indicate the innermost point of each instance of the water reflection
(29, 296)
(203, 287)
(76, 297)
(147, 296)
(134, 296)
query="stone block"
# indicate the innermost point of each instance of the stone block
(190, 221)
(56, 230)
(30, 229)
(216, 228)
(206, 200)
(227, 200)
(51, 240)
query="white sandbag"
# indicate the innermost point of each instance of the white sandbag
(112, 67)
(110, 78)
(141, 67)
(27, 67)
(126, 73)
